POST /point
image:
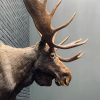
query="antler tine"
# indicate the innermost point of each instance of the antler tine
(53, 39)
(75, 57)
(54, 10)
(66, 24)
(70, 45)
(64, 40)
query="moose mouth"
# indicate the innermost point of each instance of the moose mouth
(45, 79)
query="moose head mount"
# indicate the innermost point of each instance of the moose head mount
(42, 20)
(19, 67)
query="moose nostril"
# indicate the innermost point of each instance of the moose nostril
(67, 76)
(64, 76)
(67, 82)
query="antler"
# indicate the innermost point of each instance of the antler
(42, 19)
(73, 58)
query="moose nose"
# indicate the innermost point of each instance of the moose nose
(66, 78)
(63, 79)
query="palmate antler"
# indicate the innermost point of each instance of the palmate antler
(42, 19)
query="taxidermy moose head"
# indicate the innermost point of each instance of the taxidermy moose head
(19, 67)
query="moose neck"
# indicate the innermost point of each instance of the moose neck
(20, 62)
(27, 58)
(16, 66)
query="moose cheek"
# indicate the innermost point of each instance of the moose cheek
(43, 79)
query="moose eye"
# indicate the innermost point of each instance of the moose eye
(52, 55)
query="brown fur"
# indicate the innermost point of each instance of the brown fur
(19, 67)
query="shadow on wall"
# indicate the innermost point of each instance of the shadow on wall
(86, 75)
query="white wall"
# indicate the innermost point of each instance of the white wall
(85, 84)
